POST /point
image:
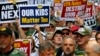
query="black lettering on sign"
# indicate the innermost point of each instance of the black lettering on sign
(9, 11)
(90, 21)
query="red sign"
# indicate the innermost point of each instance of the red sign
(23, 45)
(89, 10)
(73, 8)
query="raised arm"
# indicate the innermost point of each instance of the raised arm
(37, 27)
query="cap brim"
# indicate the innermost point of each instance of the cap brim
(82, 33)
(4, 33)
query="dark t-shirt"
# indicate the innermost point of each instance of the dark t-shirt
(13, 52)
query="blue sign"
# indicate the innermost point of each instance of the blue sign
(34, 14)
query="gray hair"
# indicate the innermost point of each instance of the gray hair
(45, 45)
(68, 37)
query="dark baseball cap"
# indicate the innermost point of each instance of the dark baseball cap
(5, 31)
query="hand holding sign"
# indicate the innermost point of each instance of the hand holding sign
(17, 22)
(37, 27)
(79, 20)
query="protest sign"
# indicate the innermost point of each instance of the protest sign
(72, 8)
(9, 11)
(49, 2)
(58, 8)
(38, 1)
(89, 19)
(34, 14)
(41, 2)
(23, 45)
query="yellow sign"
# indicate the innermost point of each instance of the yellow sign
(17, 45)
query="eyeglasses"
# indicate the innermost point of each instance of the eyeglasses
(80, 36)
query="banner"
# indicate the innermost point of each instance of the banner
(73, 8)
(34, 14)
(89, 19)
(9, 11)
(23, 45)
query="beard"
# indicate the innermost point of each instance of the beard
(68, 52)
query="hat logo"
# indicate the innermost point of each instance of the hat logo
(2, 29)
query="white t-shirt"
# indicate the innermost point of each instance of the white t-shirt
(36, 53)
(36, 38)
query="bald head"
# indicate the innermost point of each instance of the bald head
(69, 40)
(92, 49)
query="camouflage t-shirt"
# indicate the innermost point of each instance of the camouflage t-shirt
(79, 52)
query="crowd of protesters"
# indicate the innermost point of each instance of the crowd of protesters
(60, 38)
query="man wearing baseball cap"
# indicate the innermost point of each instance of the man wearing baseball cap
(6, 44)
(83, 36)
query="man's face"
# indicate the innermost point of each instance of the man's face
(98, 38)
(82, 39)
(50, 28)
(59, 23)
(68, 46)
(5, 41)
(48, 52)
(89, 52)
(57, 39)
